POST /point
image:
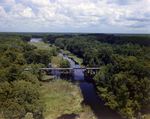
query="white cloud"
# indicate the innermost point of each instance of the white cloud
(2, 12)
(76, 14)
(19, 11)
(37, 3)
(7, 3)
(3, 17)
(74, 2)
(123, 2)
(28, 13)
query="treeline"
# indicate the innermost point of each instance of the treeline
(19, 89)
(24, 37)
(124, 79)
(142, 40)
(50, 38)
(95, 53)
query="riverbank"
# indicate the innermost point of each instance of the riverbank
(73, 57)
(62, 97)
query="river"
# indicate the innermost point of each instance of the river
(35, 39)
(89, 93)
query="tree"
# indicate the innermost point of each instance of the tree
(125, 85)
(65, 64)
(54, 51)
(20, 97)
(42, 56)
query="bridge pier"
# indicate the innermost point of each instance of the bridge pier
(94, 71)
(48, 72)
(66, 72)
(88, 72)
(72, 72)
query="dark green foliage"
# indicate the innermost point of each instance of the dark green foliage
(24, 37)
(34, 70)
(29, 56)
(18, 98)
(142, 40)
(19, 89)
(97, 52)
(65, 64)
(39, 56)
(42, 56)
(125, 85)
(52, 37)
(54, 52)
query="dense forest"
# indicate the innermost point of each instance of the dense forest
(124, 79)
(19, 89)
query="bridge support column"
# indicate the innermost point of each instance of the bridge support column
(72, 72)
(94, 71)
(91, 72)
(86, 72)
(63, 72)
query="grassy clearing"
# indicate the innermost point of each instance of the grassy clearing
(48, 77)
(56, 61)
(62, 97)
(42, 45)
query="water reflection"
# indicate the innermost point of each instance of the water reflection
(36, 39)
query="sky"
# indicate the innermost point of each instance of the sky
(83, 16)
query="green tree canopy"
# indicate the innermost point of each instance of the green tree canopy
(65, 64)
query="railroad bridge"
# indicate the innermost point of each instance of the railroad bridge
(70, 71)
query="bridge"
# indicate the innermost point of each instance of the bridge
(70, 71)
(68, 68)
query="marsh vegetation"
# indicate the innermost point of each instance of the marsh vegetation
(62, 97)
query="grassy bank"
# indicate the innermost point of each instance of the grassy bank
(73, 57)
(47, 77)
(62, 97)
(56, 61)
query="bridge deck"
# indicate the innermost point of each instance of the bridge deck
(56, 68)
(68, 68)
(63, 68)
